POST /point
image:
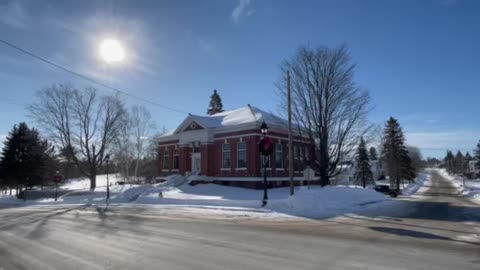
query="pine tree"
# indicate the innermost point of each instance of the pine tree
(466, 165)
(26, 159)
(215, 105)
(459, 163)
(468, 157)
(449, 161)
(363, 173)
(395, 154)
(476, 154)
(373, 153)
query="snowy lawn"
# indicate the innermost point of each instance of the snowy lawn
(468, 188)
(313, 202)
(84, 183)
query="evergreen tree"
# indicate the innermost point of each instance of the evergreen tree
(449, 161)
(363, 173)
(215, 105)
(468, 157)
(408, 170)
(26, 159)
(466, 165)
(395, 154)
(476, 154)
(459, 163)
(373, 153)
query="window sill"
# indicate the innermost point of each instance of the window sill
(280, 169)
(240, 169)
(225, 169)
(165, 170)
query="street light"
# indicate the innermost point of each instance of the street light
(107, 159)
(264, 130)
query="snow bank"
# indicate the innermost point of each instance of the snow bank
(468, 188)
(415, 186)
(173, 181)
(327, 201)
(313, 202)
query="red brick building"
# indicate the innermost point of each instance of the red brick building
(223, 148)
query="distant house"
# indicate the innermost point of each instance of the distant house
(223, 148)
(348, 171)
(472, 167)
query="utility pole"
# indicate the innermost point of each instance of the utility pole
(290, 139)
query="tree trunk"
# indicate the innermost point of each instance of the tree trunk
(93, 178)
(136, 169)
(323, 166)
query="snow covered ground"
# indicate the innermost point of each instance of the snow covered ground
(176, 193)
(469, 188)
(84, 183)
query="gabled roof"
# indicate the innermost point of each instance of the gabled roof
(244, 115)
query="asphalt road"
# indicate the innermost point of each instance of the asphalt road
(441, 231)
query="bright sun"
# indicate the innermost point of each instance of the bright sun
(111, 50)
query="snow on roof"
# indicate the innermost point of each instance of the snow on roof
(168, 133)
(244, 115)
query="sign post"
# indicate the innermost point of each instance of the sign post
(57, 179)
(265, 148)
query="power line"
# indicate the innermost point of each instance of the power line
(87, 78)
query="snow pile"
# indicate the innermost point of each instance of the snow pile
(173, 181)
(203, 195)
(313, 203)
(415, 186)
(132, 193)
(327, 201)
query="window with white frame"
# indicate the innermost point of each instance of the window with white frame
(296, 158)
(175, 159)
(265, 161)
(165, 159)
(242, 155)
(278, 156)
(226, 157)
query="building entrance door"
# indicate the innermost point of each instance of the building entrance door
(196, 163)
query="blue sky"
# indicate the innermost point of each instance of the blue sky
(418, 59)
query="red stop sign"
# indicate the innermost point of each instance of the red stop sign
(57, 178)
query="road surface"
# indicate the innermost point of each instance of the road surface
(440, 232)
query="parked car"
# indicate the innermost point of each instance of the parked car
(387, 190)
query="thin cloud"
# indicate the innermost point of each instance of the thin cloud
(241, 10)
(432, 121)
(14, 15)
(462, 139)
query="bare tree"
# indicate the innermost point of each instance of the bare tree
(327, 105)
(416, 157)
(141, 125)
(80, 120)
(123, 148)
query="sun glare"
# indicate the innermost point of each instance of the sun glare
(111, 50)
